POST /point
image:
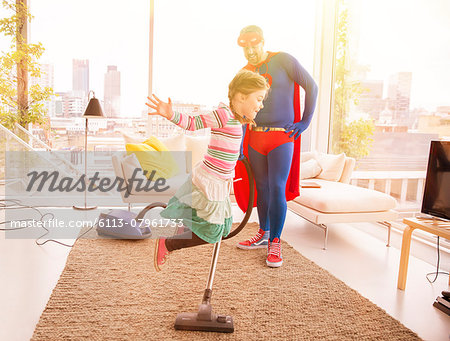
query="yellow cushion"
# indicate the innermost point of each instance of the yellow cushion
(138, 147)
(150, 159)
(157, 144)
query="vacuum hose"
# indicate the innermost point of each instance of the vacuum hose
(147, 208)
(251, 198)
(248, 212)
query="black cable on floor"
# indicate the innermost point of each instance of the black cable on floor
(16, 204)
(437, 272)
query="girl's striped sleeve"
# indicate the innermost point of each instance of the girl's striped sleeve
(214, 119)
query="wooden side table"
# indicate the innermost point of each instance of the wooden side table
(436, 227)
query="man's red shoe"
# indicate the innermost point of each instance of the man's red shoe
(257, 242)
(274, 257)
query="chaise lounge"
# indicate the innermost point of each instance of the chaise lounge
(336, 201)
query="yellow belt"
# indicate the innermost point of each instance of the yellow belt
(253, 128)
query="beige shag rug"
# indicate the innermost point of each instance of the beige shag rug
(110, 291)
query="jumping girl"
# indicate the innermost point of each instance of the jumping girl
(203, 202)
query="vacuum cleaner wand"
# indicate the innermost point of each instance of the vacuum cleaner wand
(205, 319)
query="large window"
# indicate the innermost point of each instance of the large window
(391, 87)
(195, 44)
(104, 46)
(391, 81)
(91, 48)
(196, 53)
(95, 45)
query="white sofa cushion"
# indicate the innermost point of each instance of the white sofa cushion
(132, 138)
(306, 156)
(332, 166)
(336, 197)
(198, 145)
(348, 170)
(175, 143)
(309, 169)
(129, 164)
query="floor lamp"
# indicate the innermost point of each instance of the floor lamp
(93, 110)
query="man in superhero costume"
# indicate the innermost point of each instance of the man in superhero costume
(273, 145)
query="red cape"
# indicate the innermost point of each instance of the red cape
(241, 187)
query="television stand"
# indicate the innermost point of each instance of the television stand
(433, 220)
(434, 226)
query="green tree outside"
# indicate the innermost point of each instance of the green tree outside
(353, 138)
(20, 103)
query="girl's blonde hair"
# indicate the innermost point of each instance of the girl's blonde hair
(245, 82)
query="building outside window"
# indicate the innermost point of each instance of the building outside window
(390, 98)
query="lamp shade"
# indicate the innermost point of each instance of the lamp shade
(93, 109)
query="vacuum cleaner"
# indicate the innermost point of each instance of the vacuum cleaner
(205, 319)
(128, 225)
(124, 224)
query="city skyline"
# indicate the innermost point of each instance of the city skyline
(385, 93)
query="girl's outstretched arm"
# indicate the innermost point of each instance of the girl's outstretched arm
(214, 119)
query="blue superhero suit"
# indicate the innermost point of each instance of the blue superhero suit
(270, 148)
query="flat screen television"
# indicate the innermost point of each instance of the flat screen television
(436, 196)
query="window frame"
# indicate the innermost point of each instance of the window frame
(324, 72)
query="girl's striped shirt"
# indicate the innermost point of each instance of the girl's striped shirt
(224, 145)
